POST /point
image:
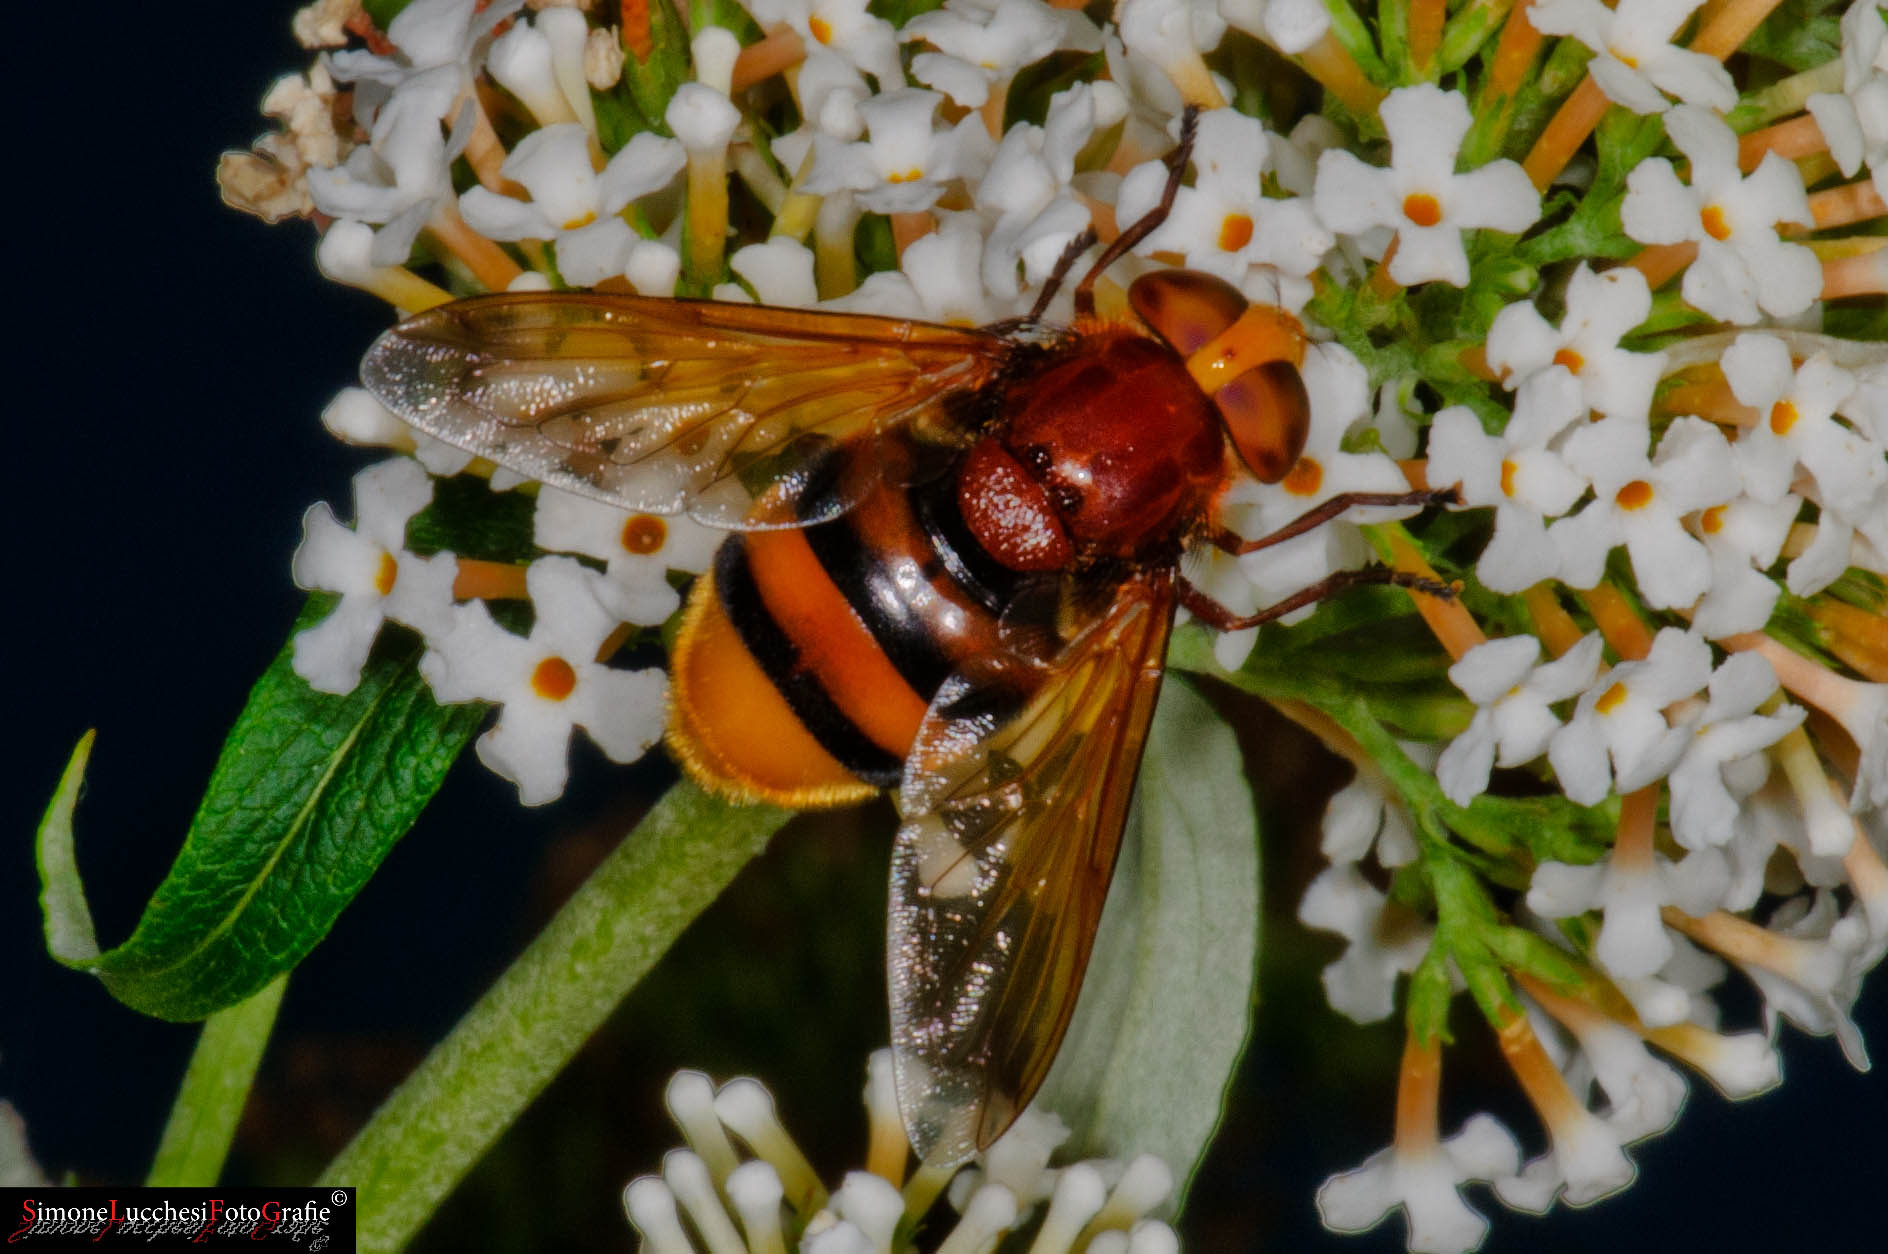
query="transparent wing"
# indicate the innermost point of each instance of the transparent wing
(1014, 800)
(664, 405)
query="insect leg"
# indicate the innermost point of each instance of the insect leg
(1221, 618)
(1066, 262)
(1237, 545)
(1149, 221)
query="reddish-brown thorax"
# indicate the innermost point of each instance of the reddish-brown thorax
(1112, 452)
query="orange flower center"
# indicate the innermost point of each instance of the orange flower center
(909, 176)
(644, 534)
(1422, 208)
(1712, 520)
(388, 572)
(1635, 495)
(1714, 222)
(582, 219)
(1611, 699)
(1570, 359)
(821, 28)
(553, 679)
(1235, 232)
(1508, 471)
(1305, 478)
(1783, 416)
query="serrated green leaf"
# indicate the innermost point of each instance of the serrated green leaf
(1164, 1015)
(310, 793)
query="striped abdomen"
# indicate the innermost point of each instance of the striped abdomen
(807, 658)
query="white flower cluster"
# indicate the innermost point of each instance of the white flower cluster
(778, 1203)
(1740, 463)
(546, 683)
(998, 205)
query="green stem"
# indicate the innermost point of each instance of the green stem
(216, 1084)
(1471, 27)
(530, 1023)
(1351, 32)
(1393, 34)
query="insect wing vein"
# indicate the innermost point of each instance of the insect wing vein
(663, 405)
(1001, 868)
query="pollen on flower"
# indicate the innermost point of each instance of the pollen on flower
(913, 175)
(553, 679)
(388, 572)
(581, 220)
(644, 534)
(1422, 209)
(1714, 221)
(1235, 232)
(1570, 359)
(1612, 699)
(1305, 478)
(1635, 495)
(821, 28)
(1783, 416)
(1508, 469)
(1711, 522)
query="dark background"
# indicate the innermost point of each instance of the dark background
(174, 359)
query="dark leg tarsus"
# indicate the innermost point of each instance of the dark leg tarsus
(1222, 618)
(1150, 221)
(1237, 545)
(1066, 262)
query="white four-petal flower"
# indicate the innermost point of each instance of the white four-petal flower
(1635, 62)
(1420, 195)
(370, 566)
(1639, 502)
(1601, 308)
(571, 202)
(1514, 719)
(547, 683)
(1743, 265)
(1426, 1183)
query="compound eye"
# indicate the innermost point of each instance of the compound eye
(1267, 413)
(1184, 307)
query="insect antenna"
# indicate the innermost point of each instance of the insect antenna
(1148, 222)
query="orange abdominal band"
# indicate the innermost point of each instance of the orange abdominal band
(731, 729)
(1261, 334)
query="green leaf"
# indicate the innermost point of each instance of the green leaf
(899, 12)
(1801, 34)
(1167, 1005)
(311, 792)
(530, 1023)
(384, 11)
(467, 518)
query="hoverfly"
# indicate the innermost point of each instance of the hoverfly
(952, 567)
